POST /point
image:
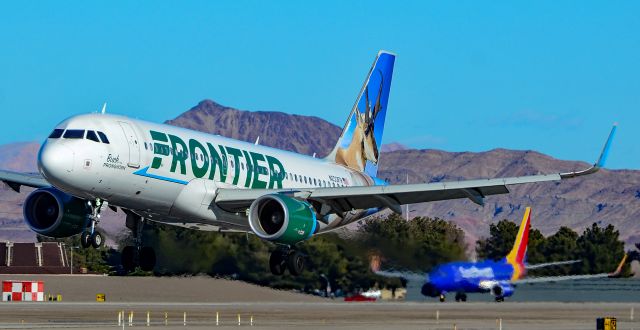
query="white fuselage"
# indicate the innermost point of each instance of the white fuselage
(146, 166)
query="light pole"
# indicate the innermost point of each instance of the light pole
(71, 248)
(407, 206)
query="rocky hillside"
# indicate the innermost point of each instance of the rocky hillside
(302, 134)
(606, 197)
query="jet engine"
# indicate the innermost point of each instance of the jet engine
(429, 290)
(52, 213)
(502, 290)
(282, 219)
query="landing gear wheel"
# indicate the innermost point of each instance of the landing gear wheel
(96, 239)
(147, 258)
(463, 297)
(128, 258)
(277, 263)
(85, 239)
(499, 299)
(458, 296)
(442, 298)
(295, 263)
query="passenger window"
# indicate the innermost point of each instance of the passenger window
(145, 144)
(74, 134)
(91, 135)
(103, 138)
(56, 133)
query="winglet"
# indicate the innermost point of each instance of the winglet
(605, 151)
(601, 160)
(618, 270)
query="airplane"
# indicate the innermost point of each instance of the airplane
(157, 173)
(488, 276)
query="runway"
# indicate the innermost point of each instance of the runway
(316, 315)
(200, 299)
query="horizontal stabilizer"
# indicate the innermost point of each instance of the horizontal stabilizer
(553, 263)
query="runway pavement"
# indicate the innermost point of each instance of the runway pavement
(202, 298)
(316, 315)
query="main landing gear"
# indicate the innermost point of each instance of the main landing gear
(283, 259)
(461, 296)
(91, 236)
(138, 255)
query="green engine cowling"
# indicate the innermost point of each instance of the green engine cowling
(52, 213)
(282, 219)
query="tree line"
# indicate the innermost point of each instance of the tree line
(345, 257)
(599, 249)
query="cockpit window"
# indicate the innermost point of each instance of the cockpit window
(74, 134)
(91, 135)
(103, 138)
(56, 133)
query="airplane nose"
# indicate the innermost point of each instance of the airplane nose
(55, 161)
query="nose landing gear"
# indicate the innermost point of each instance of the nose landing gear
(91, 236)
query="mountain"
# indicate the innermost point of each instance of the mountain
(302, 134)
(19, 156)
(610, 196)
(605, 197)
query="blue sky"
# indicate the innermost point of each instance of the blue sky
(470, 76)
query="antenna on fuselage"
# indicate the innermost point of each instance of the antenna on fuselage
(104, 108)
(257, 140)
(314, 155)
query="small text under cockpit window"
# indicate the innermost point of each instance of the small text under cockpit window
(74, 134)
(103, 138)
(91, 135)
(56, 133)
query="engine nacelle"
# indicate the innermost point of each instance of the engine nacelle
(502, 290)
(52, 213)
(429, 290)
(282, 219)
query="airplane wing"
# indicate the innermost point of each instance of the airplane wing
(15, 180)
(616, 273)
(409, 276)
(343, 199)
(553, 263)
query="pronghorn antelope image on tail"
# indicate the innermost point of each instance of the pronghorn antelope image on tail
(358, 146)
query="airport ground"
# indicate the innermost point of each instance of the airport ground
(201, 298)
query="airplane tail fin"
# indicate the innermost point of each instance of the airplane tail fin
(618, 270)
(519, 251)
(359, 144)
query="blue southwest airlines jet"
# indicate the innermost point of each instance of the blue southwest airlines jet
(158, 173)
(496, 277)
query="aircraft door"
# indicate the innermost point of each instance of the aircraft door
(134, 145)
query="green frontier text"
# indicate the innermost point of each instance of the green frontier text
(214, 163)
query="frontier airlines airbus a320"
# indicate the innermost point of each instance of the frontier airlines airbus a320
(158, 173)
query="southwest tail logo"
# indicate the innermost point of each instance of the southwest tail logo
(519, 251)
(359, 145)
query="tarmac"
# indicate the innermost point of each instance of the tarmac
(205, 303)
